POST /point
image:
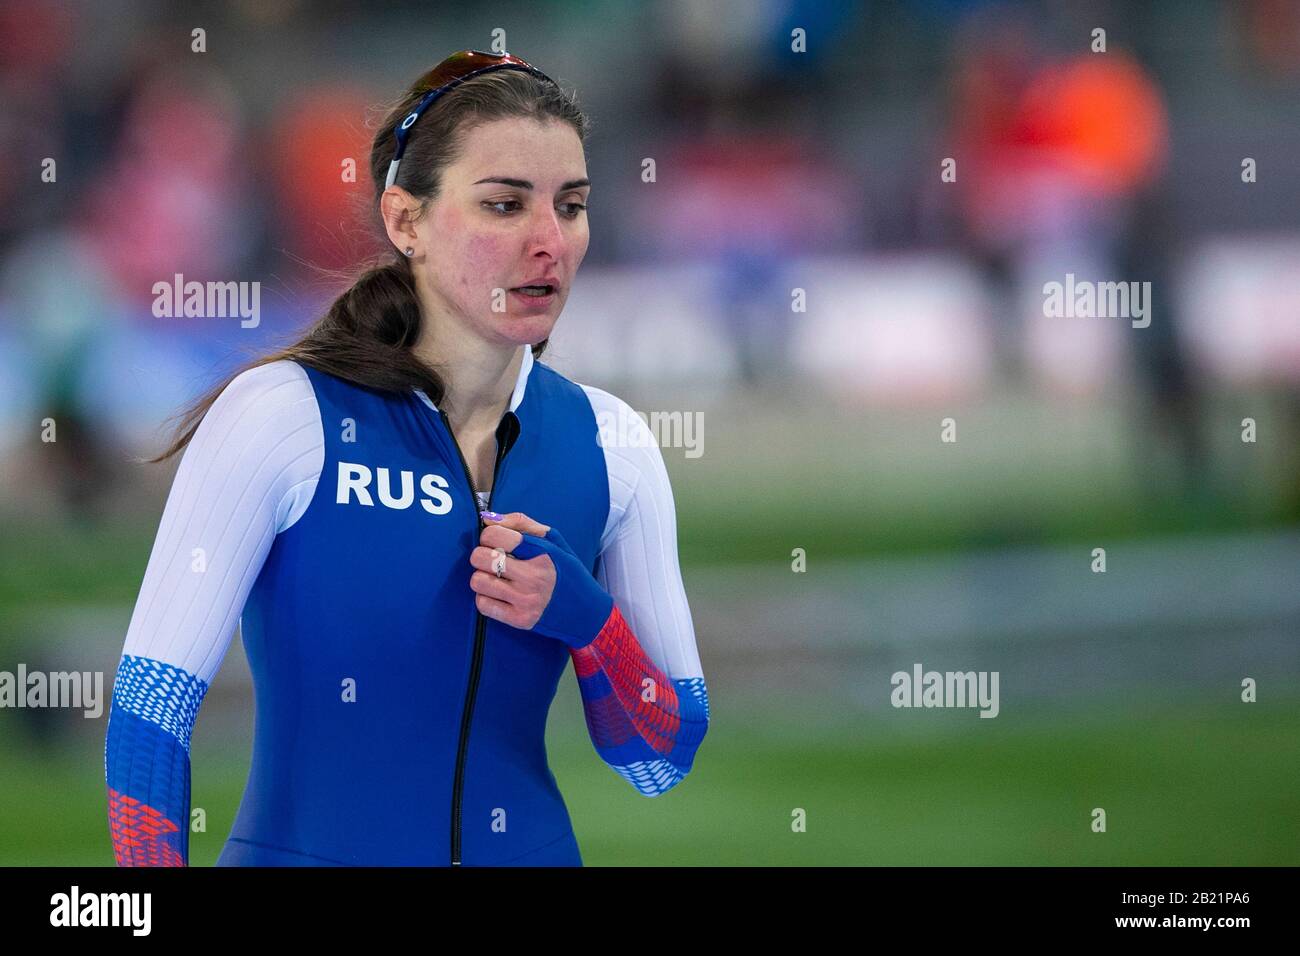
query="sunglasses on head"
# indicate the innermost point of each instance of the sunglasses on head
(446, 76)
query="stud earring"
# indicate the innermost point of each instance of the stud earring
(410, 251)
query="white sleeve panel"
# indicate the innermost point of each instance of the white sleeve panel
(638, 563)
(248, 473)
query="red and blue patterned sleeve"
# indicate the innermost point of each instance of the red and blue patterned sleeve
(642, 685)
(147, 761)
(643, 723)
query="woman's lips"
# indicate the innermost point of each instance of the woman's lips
(533, 302)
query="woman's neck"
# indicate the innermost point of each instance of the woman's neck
(479, 377)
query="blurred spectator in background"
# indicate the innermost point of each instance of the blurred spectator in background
(742, 203)
(746, 183)
(1049, 154)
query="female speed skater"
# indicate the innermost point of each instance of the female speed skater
(416, 525)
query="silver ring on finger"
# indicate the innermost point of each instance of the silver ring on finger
(499, 562)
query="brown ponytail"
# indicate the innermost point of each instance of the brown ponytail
(366, 335)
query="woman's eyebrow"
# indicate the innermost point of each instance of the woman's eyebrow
(525, 184)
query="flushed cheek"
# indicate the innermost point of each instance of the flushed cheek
(485, 260)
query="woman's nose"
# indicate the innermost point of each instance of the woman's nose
(547, 230)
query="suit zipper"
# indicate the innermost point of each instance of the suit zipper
(480, 631)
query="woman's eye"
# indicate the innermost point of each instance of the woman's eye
(572, 208)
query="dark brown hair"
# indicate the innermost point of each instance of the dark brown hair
(366, 335)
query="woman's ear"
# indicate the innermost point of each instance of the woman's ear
(397, 207)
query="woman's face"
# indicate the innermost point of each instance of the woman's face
(512, 212)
